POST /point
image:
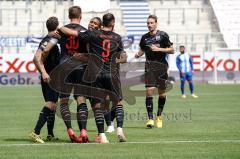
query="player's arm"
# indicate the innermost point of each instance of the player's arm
(122, 59)
(69, 32)
(169, 45)
(81, 57)
(169, 50)
(142, 46)
(178, 63)
(123, 56)
(38, 61)
(46, 49)
(191, 63)
(139, 53)
(41, 55)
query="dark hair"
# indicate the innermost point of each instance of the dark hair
(74, 12)
(153, 17)
(52, 23)
(108, 19)
(99, 20)
(181, 46)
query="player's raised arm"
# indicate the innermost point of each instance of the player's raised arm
(68, 31)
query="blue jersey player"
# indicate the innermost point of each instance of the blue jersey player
(185, 67)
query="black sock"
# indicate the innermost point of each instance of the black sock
(149, 106)
(119, 115)
(107, 117)
(50, 122)
(42, 119)
(113, 113)
(82, 116)
(99, 119)
(161, 103)
(66, 115)
(107, 112)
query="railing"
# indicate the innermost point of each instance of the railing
(177, 1)
(184, 10)
(16, 10)
(209, 42)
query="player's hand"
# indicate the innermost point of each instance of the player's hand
(155, 48)
(55, 34)
(80, 57)
(182, 74)
(118, 60)
(137, 56)
(122, 59)
(46, 77)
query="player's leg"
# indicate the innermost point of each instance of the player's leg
(150, 83)
(161, 104)
(45, 112)
(183, 79)
(109, 115)
(107, 112)
(82, 116)
(120, 118)
(99, 119)
(66, 116)
(190, 82)
(42, 119)
(149, 106)
(52, 98)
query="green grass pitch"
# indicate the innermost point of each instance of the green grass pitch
(207, 127)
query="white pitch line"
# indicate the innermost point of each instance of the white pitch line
(141, 142)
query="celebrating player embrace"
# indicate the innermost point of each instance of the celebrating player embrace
(108, 48)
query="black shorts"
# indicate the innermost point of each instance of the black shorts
(73, 79)
(156, 75)
(111, 84)
(49, 94)
(70, 75)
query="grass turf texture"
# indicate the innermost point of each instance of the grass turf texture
(207, 127)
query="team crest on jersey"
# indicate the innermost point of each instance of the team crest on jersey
(158, 38)
(45, 43)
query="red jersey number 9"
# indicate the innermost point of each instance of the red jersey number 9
(106, 44)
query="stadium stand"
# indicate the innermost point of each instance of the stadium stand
(228, 14)
(189, 22)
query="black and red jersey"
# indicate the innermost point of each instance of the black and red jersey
(71, 44)
(107, 45)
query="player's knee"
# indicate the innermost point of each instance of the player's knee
(81, 100)
(51, 105)
(97, 106)
(162, 95)
(119, 104)
(64, 101)
(149, 92)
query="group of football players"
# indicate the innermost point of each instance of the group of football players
(87, 65)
